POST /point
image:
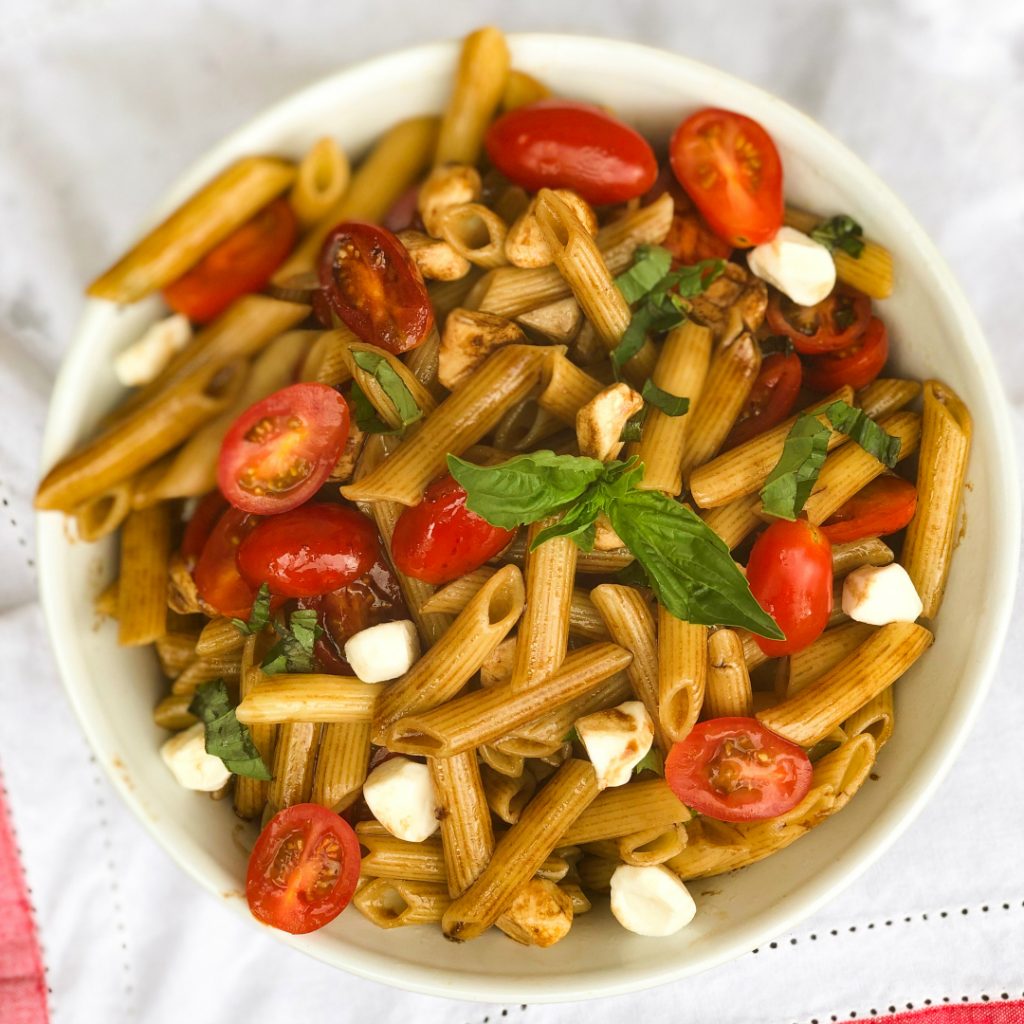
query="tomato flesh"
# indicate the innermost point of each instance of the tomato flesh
(440, 539)
(790, 575)
(243, 263)
(371, 282)
(303, 869)
(771, 399)
(558, 144)
(216, 574)
(856, 366)
(281, 450)
(885, 505)
(731, 169)
(735, 769)
(834, 323)
(310, 550)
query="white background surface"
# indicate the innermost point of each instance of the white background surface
(103, 103)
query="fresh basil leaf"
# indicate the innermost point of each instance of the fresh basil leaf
(654, 316)
(841, 232)
(260, 614)
(650, 264)
(572, 736)
(525, 488)
(689, 566)
(577, 523)
(790, 483)
(690, 281)
(364, 413)
(227, 737)
(669, 404)
(652, 761)
(293, 651)
(859, 427)
(633, 428)
(632, 575)
(391, 384)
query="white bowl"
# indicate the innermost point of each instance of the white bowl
(114, 690)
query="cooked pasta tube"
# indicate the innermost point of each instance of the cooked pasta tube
(454, 596)
(309, 697)
(469, 337)
(752, 653)
(320, 181)
(457, 656)
(603, 562)
(522, 89)
(476, 233)
(522, 850)
(596, 873)
(448, 295)
(483, 716)
(423, 361)
(728, 690)
(681, 370)
(540, 914)
(507, 796)
(622, 810)
(651, 846)
(526, 244)
(480, 82)
(855, 553)
(466, 833)
(631, 625)
(376, 395)
(565, 388)
(142, 585)
(511, 765)
(730, 376)
(885, 395)
(743, 470)
(250, 795)
(682, 673)
(172, 712)
(931, 536)
(399, 902)
(388, 857)
(578, 898)
(803, 667)
(203, 670)
(446, 187)
(102, 514)
(435, 258)
(219, 636)
(526, 427)
(294, 758)
(818, 708)
(341, 764)
(875, 718)
(460, 420)
(557, 322)
(328, 361)
(205, 219)
(736, 520)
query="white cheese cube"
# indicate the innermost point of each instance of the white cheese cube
(383, 652)
(145, 359)
(650, 900)
(617, 740)
(880, 594)
(401, 797)
(796, 264)
(185, 754)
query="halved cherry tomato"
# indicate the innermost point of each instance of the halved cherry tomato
(857, 365)
(735, 769)
(883, 506)
(218, 580)
(440, 539)
(834, 323)
(560, 144)
(280, 451)
(198, 529)
(730, 168)
(771, 399)
(790, 575)
(310, 550)
(303, 869)
(372, 283)
(243, 263)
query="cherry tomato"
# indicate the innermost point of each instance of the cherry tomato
(218, 580)
(439, 539)
(303, 869)
(280, 451)
(372, 283)
(834, 323)
(857, 365)
(310, 550)
(734, 769)
(243, 263)
(689, 237)
(559, 144)
(771, 399)
(198, 529)
(790, 575)
(730, 168)
(883, 506)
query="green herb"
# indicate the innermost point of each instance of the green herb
(652, 761)
(859, 427)
(633, 428)
(790, 483)
(391, 384)
(632, 575)
(227, 737)
(841, 232)
(650, 264)
(654, 316)
(669, 404)
(259, 616)
(293, 651)
(572, 736)
(364, 413)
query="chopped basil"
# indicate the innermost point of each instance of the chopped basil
(227, 737)
(859, 427)
(633, 428)
(260, 614)
(650, 264)
(790, 483)
(391, 384)
(366, 417)
(652, 761)
(669, 404)
(293, 651)
(841, 232)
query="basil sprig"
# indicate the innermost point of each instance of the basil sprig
(367, 418)
(293, 651)
(841, 232)
(669, 404)
(227, 737)
(391, 384)
(259, 616)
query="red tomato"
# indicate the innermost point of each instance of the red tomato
(883, 506)
(857, 365)
(439, 539)
(689, 238)
(280, 451)
(310, 550)
(303, 869)
(734, 769)
(730, 168)
(372, 283)
(244, 262)
(559, 144)
(790, 575)
(771, 399)
(834, 323)
(198, 529)
(218, 580)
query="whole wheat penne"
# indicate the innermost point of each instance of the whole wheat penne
(650, 846)
(602, 563)
(476, 233)
(596, 873)
(320, 181)
(142, 585)
(580, 903)
(875, 718)
(682, 673)
(728, 690)
(342, 762)
(511, 765)
(388, 857)
(327, 361)
(424, 363)
(803, 667)
(175, 651)
(565, 388)
(526, 427)
(102, 514)
(250, 794)
(294, 758)
(309, 697)
(507, 796)
(466, 833)
(400, 902)
(435, 258)
(855, 553)
(376, 394)
(172, 712)
(219, 636)
(647, 804)
(736, 520)
(752, 653)
(886, 395)
(931, 536)
(448, 295)
(522, 89)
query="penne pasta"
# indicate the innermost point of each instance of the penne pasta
(803, 667)
(142, 585)
(172, 712)
(736, 520)
(101, 515)
(388, 857)
(219, 636)
(320, 181)
(854, 554)
(886, 395)
(309, 697)
(342, 762)
(398, 902)
(507, 796)
(651, 846)
(728, 691)
(476, 233)
(637, 806)
(294, 757)
(522, 89)
(874, 718)
(462, 808)
(682, 674)
(250, 794)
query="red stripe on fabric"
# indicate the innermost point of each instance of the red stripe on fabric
(22, 980)
(961, 1013)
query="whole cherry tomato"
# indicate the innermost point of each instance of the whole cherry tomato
(243, 263)
(857, 365)
(218, 580)
(199, 527)
(279, 452)
(834, 323)
(731, 169)
(559, 144)
(790, 575)
(372, 283)
(771, 399)
(885, 505)
(439, 539)
(310, 550)
(735, 769)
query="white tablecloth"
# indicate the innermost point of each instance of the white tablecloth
(104, 102)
